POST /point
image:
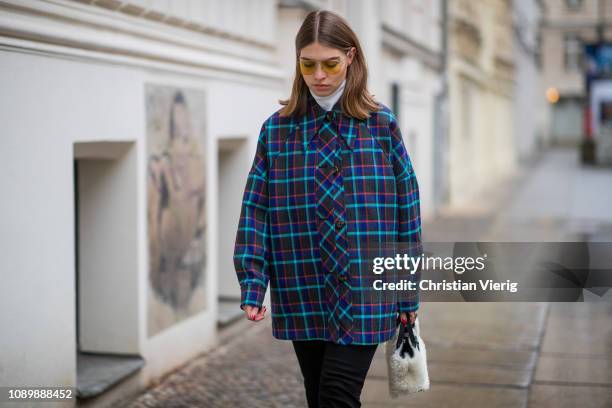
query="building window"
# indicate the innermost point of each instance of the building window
(572, 47)
(573, 4)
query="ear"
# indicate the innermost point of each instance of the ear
(351, 55)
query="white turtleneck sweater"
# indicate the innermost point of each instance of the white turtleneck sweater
(328, 102)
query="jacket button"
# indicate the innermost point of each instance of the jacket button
(336, 170)
(339, 224)
(342, 278)
(330, 115)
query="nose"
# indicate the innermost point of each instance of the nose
(319, 73)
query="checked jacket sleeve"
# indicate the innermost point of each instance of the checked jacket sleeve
(250, 249)
(408, 208)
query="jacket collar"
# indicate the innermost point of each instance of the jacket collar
(308, 125)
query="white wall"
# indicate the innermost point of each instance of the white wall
(235, 160)
(108, 278)
(417, 90)
(481, 94)
(49, 103)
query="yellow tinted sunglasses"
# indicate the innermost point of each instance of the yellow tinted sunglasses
(331, 66)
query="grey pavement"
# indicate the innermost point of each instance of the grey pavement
(479, 354)
(249, 369)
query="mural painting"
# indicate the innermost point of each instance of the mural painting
(176, 204)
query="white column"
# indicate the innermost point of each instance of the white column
(364, 17)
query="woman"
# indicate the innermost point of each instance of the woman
(330, 176)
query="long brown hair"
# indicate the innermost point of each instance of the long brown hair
(331, 30)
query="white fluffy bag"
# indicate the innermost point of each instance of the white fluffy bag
(406, 361)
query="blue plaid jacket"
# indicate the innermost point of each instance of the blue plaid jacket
(307, 209)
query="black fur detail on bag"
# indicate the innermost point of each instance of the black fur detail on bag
(406, 340)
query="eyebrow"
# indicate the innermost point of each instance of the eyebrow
(328, 59)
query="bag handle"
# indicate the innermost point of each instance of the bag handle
(412, 336)
(407, 340)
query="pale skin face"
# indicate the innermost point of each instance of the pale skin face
(319, 54)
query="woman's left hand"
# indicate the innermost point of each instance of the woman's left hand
(411, 315)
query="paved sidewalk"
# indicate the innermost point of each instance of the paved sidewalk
(479, 354)
(251, 369)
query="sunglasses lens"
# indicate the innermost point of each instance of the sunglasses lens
(331, 67)
(307, 68)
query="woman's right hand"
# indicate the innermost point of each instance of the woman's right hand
(254, 313)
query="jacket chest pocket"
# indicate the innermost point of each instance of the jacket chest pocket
(369, 175)
(370, 189)
(291, 188)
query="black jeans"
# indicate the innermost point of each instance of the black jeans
(333, 374)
